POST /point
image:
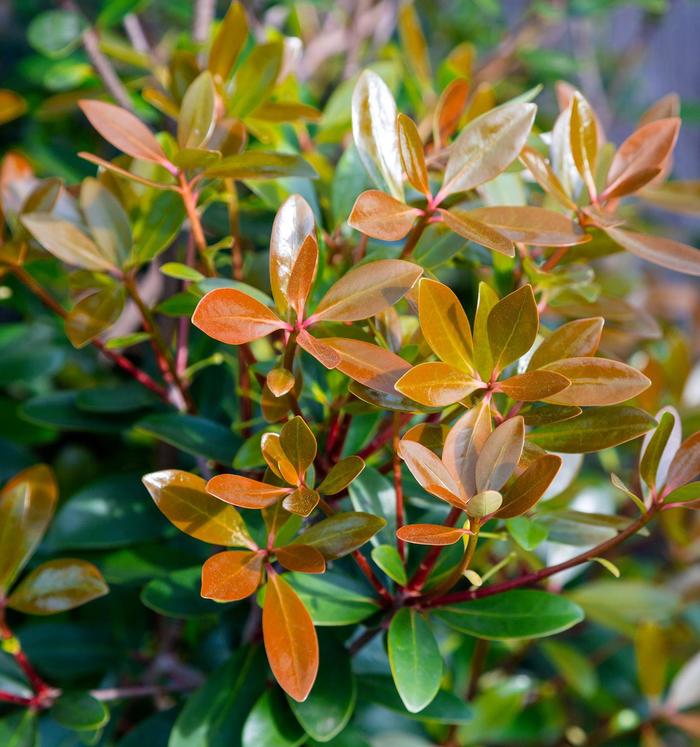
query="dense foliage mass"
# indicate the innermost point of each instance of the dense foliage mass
(335, 412)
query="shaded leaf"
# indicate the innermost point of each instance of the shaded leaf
(654, 451)
(93, 314)
(196, 120)
(512, 327)
(260, 164)
(463, 444)
(576, 339)
(228, 42)
(529, 486)
(685, 465)
(341, 533)
(388, 559)
(255, 77)
(341, 474)
(271, 722)
(298, 444)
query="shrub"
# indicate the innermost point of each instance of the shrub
(382, 375)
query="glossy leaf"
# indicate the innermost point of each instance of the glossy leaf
(231, 316)
(298, 444)
(195, 123)
(272, 722)
(430, 473)
(449, 110)
(685, 465)
(332, 600)
(597, 381)
(27, 505)
(341, 533)
(444, 324)
(534, 385)
(512, 327)
(543, 174)
(658, 250)
(465, 225)
(654, 451)
(381, 216)
(290, 639)
(369, 364)
(487, 146)
(301, 501)
(483, 360)
(593, 430)
(280, 381)
(374, 132)
(528, 487)
(500, 454)
(341, 474)
(366, 290)
(301, 558)
(584, 140)
(277, 460)
(388, 559)
(232, 575)
(464, 443)
(484, 503)
(57, 586)
(293, 223)
(576, 339)
(412, 155)
(513, 614)
(244, 492)
(319, 349)
(414, 657)
(124, 131)
(430, 534)
(93, 314)
(183, 498)
(437, 384)
(80, 712)
(531, 225)
(302, 276)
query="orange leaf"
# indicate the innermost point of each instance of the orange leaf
(430, 473)
(323, 353)
(380, 216)
(444, 324)
(464, 443)
(430, 534)
(474, 230)
(232, 575)
(572, 340)
(529, 487)
(302, 276)
(644, 152)
(124, 131)
(531, 225)
(597, 381)
(233, 317)
(244, 492)
(412, 155)
(543, 174)
(276, 459)
(533, 385)
(449, 110)
(659, 250)
(686, 463)
(366, 290)
(437, 384)
(290, 639)
(301, 501)
(512, 327)
(301, 558)
(369, 364)
(584, 140)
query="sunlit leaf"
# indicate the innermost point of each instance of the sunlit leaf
(512, 327)
(534, 385)
(430, 473)
(449, 110)
(529, 486)
(659, 250)
(256, 77)
(195, 123)
(381, 216)
(654, 451)
(301, 558)
(412, 155)
(430, 534)
(437, 384)
(228, 42)
(244, 492)
(369, 364)
(543, 174)
(576, 339)
(464, 443)
(531, 225)
(685, 465)
(302, 276)
(231, 575)
(465, 225)
(302, 501)
(584, 140)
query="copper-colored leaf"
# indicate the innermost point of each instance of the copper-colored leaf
(487, 146)
(323, 353)
(341, 474)
(290, 639)
(293, 223)
(366, 290)
(412, 155)
(57, 586)
(301, 558)
(449, 110)
(234, 317)
(529, 487)
(543, 174)
(463, 224)
(341, 534)
(437, 384)
(124, 131)
(512, 327)
(464, 443)
(667, 106)
(381, 216)
(183, 499)
(374, 131)
(483, 360)
(500, 455)
(369, 364)
(301, 501)
(277, 460)
(93, 314)
(444, 324)
(533, 385)
(572, 340)
(232, 575)
(531, 225)
(659, 250)
(430, 473)
(685, 465)
(298, 443)
(644, 152)
(584, 140)
(280, 381)
(244, 492)
(430, 534)
(597, 381)
(303, 275)
(27, 505)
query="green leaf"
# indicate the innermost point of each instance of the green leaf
(372, 493)
(80, 712)
(342, 533)
(332, 599)
(416, 663)
(271, 723)
(178, 595)
(445, 708)
(594, 429)
(59, 410)
(256, 78)
(19, 729)
(649, 464)
(181, 272)
(156, 227)
(512, 327)
(109, 512)
(107, 221)
(196, 121)
(258, 164)
(193, 434)
(689, 493)
(331, 702)
(56, 33)
(528, 534)
(576, 669)
(341, 474)
(521, 613)
(57, 586)
(228, 42)
(388, 559)
(125, 397)
(215, 714)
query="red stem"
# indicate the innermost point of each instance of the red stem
(430, 558)
(398, 486)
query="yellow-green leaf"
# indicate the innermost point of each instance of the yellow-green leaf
(512, 327)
